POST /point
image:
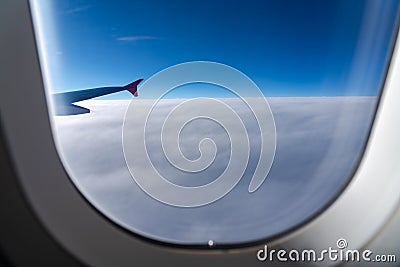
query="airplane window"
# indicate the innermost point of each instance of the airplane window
(212, 122)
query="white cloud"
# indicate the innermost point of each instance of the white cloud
(136, 38)
(77, 9)
(319, 140)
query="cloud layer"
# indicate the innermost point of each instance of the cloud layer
(319, 141)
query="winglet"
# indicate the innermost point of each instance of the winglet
(132, 87)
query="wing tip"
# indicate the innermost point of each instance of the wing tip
(132, 87)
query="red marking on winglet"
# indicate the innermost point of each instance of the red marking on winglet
(132, 87)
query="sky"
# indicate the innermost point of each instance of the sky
(287, 47)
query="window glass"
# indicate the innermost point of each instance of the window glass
(250, 119)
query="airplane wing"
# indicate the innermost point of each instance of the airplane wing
(64, 101)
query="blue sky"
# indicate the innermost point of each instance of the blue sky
(287, 47)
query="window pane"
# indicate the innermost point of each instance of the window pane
(264, 124)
